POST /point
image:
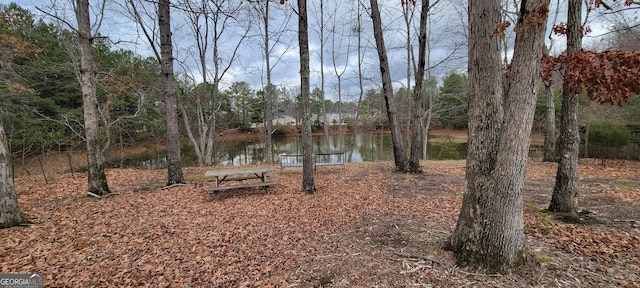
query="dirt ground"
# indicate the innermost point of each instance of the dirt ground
(366, 227)
(602, 250)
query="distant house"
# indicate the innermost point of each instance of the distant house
(333, 118)
(284, 119)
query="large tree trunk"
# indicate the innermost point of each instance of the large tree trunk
(308, 183)
(174, 168)
(489, 234)
(399, 156)
(10, 213)
(550, 127)
(416, 131)
(565, 192)
(97, 181)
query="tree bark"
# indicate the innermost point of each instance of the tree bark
(416, 131)
(489, 234)
(10, 213)
(565, 192)
(174, 169)
(550, 128)
(269, 94)
(399, 156)
(97, 181)
(269, 90)
(308, 183)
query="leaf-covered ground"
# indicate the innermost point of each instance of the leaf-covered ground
(366, 227)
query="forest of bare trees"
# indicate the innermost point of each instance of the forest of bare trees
(202, 68)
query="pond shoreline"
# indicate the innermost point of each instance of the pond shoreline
(435, 135)
(63, 161)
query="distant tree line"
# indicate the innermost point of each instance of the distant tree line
(43, 102)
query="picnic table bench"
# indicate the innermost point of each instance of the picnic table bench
(319, 159)
(239, 175)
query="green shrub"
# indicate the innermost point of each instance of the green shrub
(608, 138)
(317, 126)
(279, 130)
(609, 134)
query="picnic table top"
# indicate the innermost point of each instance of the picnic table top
(237, 171)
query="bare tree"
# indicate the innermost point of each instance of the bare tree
(414, 156)
(210, 23)
(408, 13)
(164, 55)
(337, 53)
(97, 180)
(357, 28)
(198, 15)
(263, 10)
(399, 156)
(437, 37)
(174, 164)
(323, 108)
(489, 234)
(565, 192)
(624, 31)
(269, 89)
(308, 182)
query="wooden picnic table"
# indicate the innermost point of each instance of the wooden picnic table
(239, 175)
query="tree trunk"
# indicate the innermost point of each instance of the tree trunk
(198, 144)
(212, 127)
(268, 113)
(10, 213)
(308, 183)
(200, 31)
(323, 105)
(269, 91)
(356, 121)
(489, 234)
(565, 192)
(97, 181)
(336, 52)
(550, 128)
(416, 131)
(408, 11)
(174, 168)
(399, 156)
(268, 116)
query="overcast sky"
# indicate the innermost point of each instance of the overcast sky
(446, 34)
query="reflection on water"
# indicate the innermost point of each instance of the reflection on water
(367, 147)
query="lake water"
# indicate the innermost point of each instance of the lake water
(367, 147)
